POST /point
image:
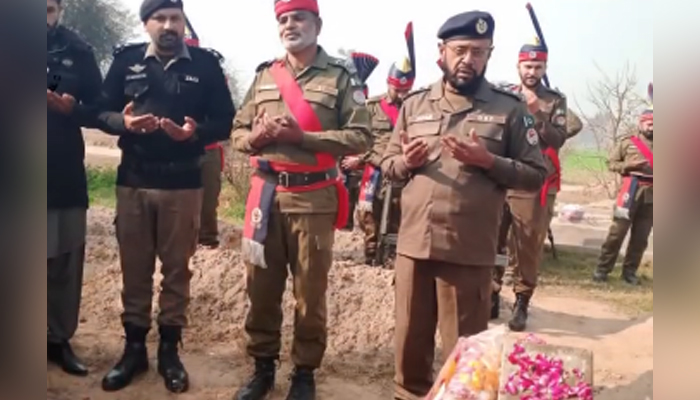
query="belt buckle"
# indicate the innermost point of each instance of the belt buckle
(283, 179)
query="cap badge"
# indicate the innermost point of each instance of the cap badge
(481, 26)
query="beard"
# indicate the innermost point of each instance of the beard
(649, 134)
(462, 86)
(169, 42)
(300, 42)
(529, 85)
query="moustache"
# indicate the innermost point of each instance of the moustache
(169, 34)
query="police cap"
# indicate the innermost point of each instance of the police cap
(468, 25)
(149, 7)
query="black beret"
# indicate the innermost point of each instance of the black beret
(468, 25)
(148, 7)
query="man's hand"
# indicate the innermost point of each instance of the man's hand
(142, 124)
(291, 131)
(415, 152)
(469, 152)
(63, 104)
(533, 103)
(350, 162)
(177, 132)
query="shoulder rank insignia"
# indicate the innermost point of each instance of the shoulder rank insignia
(216, 54)
(127, 46)
(509, 89)
(264, 65)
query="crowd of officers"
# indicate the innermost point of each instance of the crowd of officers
(474, 160)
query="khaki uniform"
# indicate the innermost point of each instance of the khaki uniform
(370, 220)
(301, 232)
(211, 185)
(529, 220)
(624, 160)
(450, 216)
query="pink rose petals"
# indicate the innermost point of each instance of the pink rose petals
(543, 378)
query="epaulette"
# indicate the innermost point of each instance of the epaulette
(216, 54)
(508, 90)
(375, 99)
(344, 63)
(264, 65)
(207, 51)
(555, 91)
(75, 39)
(127, 46)
(416, 91)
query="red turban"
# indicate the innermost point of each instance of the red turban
(284, 6)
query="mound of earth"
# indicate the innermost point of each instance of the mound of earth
(359, 361)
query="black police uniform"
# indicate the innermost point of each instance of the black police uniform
(71, 69)
(159, 190)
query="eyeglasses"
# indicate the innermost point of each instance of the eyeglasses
(477, 53)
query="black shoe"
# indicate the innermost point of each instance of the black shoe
(519, 321)
(303, 385)
(631, 279)
(62, 355)
(134, 361)
(495, 305)
(261, 383)
(169, 365)
(600, 277)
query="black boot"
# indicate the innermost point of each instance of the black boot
(600, 277)
(62, 355)
(631, 278)
(134, 361)
(169, 365)
(495, 305)
(261, 383)
(303, 385)
(519, 321)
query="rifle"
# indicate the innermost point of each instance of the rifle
(545, 79)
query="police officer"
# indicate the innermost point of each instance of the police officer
(73, 86)
(460, 143)
(632, 158)
(166, 101)
(384, 110)
(303, 112)
(530, 212)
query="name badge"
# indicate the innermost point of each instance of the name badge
(136, 76)
(487, 118)
(190, 78)
(423, 118)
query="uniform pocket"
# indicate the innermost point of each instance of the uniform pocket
(326, 96)
(134, 90)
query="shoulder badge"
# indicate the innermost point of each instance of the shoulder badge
(127, 46)
(508, 89)
(264, 65)
(216, 54)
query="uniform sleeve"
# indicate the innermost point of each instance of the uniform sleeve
(381, 133)
(243, 122)
(354, 135)
(220, 110)
(548, 126)
(393, 164)
(524, 167)
(112, 101)
(573, 124)
(91, 83)
(616, 159)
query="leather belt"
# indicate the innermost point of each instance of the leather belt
(296, 179)
(156, 167)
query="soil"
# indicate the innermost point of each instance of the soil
(359, 360)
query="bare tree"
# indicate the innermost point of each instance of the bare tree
(616, 104)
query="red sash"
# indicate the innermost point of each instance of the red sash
(371, 177)
(553, 180)
(644, 149)
(261, 195)
(215, 146)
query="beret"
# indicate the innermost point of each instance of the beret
(284, 6)
(148, 7)
(468, 25)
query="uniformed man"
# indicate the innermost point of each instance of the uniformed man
(212, 167)
(353, 166)
(166, 101)
(73, 86)
(632, 158)
(531, 212)
(384, 110)
(460, 143)
(303, 112)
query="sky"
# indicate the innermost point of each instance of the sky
(582, 36)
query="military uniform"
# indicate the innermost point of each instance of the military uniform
(159, 188)
(450, 212)
(71, 70)
(629, 160)
(529, 213)
(296, 200)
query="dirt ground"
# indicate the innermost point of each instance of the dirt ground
(359, 362)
